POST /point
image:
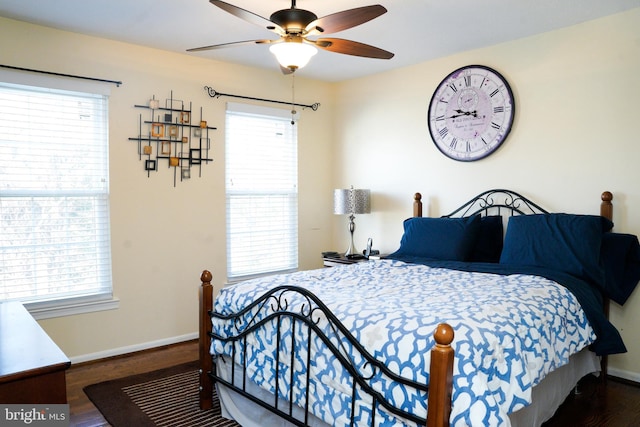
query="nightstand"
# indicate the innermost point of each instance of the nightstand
(341, 260)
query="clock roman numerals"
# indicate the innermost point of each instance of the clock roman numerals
(453, 145)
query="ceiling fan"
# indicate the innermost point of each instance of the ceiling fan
(295, 47)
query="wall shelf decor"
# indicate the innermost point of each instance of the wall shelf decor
(169, 131)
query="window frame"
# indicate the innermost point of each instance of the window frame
(103, 299)
(282, 195)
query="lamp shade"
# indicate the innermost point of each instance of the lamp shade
(351, 201)
(293, 55)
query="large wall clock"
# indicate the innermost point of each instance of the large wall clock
(471, 113)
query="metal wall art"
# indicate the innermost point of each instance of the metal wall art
(169, 135)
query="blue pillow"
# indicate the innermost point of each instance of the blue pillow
(488, 246)
(620, 257)
(449, 239)
(562, 242)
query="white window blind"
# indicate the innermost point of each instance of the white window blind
(261, 191)
(54, 195)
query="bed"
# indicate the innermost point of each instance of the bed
(493, 325)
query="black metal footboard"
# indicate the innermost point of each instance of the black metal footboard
(300, 320)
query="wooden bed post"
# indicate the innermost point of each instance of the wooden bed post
(417, 205)
(606, 207)
(206, 362)
(606, 210)
(440, 378)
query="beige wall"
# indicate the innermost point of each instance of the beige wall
(163, 237)
(575, 135)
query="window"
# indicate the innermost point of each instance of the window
(261, 191)
(54, 196)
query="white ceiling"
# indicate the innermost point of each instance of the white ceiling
(415, 30)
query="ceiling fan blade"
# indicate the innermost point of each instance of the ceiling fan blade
(349, 47)
(247, 16)
(344, 20)
(223, 45)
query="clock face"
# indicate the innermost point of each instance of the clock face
(471, 113)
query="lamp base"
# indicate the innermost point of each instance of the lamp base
(352, 252)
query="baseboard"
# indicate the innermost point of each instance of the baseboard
(132, 348)
(627, 375)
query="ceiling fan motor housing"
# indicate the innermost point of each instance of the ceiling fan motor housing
(293, 21)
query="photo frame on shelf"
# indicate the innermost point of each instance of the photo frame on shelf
(147, 149)
(149, 165)
(174, 104)
(197, 132)
(185, 117)
(154, 104)
(185, 139)
(195, 156)
(173, 131)
(203, 124)
(165, 148)
(174, 161)
(157, 130)
(168, 117)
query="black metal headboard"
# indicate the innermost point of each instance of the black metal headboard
(497, 202)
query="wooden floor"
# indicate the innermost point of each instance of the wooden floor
(609, 404)
(82, 411)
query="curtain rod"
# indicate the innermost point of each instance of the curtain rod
(117, 83)
(213, 94)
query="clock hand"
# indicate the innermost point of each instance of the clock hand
(464, 113)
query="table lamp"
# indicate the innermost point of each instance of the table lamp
(351, 202)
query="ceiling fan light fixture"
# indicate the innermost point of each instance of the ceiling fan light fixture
(293, 55)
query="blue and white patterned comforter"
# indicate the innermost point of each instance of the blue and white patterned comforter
(510, 332)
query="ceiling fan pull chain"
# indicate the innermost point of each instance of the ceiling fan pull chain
(293, 98)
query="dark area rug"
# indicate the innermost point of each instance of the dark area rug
(167, 397)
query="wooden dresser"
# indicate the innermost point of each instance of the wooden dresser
(32, 367)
